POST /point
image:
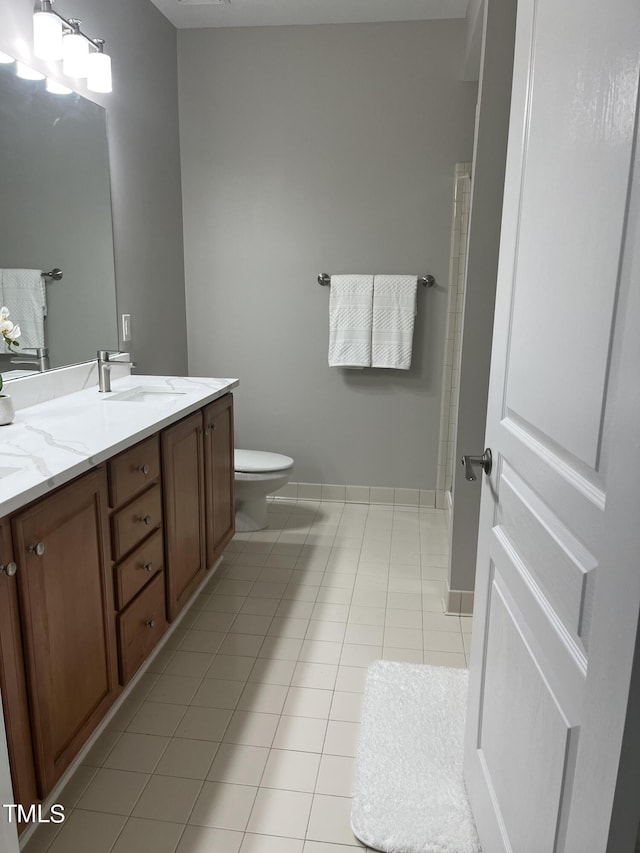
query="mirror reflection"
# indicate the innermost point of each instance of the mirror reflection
(55, 212)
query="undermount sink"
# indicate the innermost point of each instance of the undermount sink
(146, 394)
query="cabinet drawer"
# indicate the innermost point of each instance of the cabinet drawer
(131, 524)
(135, 571)
(132, 471)
(140, 627)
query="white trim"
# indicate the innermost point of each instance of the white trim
(458, 602)
(424, 498)
(8, 831)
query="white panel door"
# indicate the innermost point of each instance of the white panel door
(558, 573)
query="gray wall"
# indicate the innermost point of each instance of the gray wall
(473, 39)
(142, 124)
(490, 150)
(311, 149)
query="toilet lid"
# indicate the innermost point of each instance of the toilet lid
(255, 461)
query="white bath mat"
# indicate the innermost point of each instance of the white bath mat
(408, 794)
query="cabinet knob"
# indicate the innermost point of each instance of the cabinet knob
(10, 569)
(37, 549)
(213, 426)
(144, 469)
(148, 566)
(150, 623)
(207, 431)
(146, 519)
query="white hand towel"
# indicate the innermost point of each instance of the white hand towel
(350, 318)
(394, 312)
(23, 292)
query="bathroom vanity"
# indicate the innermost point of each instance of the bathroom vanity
(112, 509)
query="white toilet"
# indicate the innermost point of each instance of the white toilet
(257, 474)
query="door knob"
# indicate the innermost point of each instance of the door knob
(485, 461)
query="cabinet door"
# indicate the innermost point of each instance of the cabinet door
(183, 488)
(68, 619)
(219, 476)
(13, 682)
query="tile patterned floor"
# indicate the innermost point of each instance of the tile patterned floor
(242, 735)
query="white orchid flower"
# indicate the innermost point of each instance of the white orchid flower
(9, 332)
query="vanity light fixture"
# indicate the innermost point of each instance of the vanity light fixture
(75, 51)
(28, 73)
(55, 37)
(56, 88)
(47, 32)
(99, 69)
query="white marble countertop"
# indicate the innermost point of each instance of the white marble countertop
(52, 442)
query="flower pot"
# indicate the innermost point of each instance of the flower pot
(7, 412)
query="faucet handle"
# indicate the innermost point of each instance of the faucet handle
(103, 354)
(41, 352)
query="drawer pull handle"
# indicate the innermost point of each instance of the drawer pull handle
(146, 519)
(144, 469)
(37, 549)
(150, 623)
(10, 569)
(148, 566)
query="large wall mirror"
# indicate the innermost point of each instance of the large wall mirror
(55, 211)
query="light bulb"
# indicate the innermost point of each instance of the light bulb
(28, 73)
(5, 59)
(47, 35)
(99, 76)
(75, 52)
(56, 88)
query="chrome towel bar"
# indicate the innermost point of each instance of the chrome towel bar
(425, 280)
(55, 274)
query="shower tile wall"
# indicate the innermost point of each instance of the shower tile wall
(453, 344)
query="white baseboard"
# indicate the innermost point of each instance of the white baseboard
(357, 494)
(459, 601)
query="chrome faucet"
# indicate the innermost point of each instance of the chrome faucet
(40, 360)
(104, 370)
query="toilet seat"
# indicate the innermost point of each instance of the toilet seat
(257, 474)
(260, 461)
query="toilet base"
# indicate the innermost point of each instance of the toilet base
(251, 514)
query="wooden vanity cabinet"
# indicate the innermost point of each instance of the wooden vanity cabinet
(219, 476)
(197, 481)
(183, 483)
(137, 548)
(101, 563)
(66, 600)
(13, 683)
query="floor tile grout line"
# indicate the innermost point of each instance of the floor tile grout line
(405, 525)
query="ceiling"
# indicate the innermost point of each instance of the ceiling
(259, 13)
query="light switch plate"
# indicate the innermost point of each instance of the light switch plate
(126, 327)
